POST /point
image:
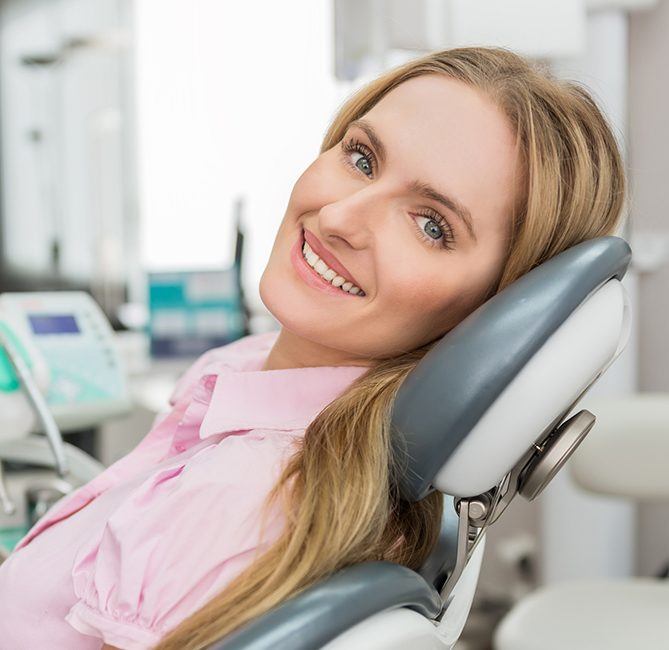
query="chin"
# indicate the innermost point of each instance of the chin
(267, 291)
(290, 309)
(280, 298)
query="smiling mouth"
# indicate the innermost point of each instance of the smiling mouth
(323, 276)
(327, 274)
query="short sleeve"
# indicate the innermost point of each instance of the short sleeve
(176, 540)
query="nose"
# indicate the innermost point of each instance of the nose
(352, 217)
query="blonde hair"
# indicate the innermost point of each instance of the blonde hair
(339, 490)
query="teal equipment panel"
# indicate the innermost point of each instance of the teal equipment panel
(194, 311)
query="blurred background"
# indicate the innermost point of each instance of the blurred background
(148, 149)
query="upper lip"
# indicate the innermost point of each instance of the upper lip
(328, 257)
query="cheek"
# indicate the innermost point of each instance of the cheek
(428, 300)
(420, 292)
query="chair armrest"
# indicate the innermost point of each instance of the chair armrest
(325, 610)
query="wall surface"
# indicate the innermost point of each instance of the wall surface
(233, 100)
(649, 130)
(649, 171)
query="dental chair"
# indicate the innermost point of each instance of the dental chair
(625, 456)
(483, 417)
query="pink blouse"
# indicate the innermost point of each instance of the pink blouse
(172, 522)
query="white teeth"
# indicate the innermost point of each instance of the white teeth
(327, 273)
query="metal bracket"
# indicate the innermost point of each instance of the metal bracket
(528, 477)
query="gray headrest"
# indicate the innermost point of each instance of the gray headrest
(450, 389)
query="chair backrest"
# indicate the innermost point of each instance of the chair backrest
(461, 419)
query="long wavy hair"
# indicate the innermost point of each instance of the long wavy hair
(339, 490)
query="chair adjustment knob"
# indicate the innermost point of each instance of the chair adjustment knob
(553, 453)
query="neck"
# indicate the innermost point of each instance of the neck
(293, 351)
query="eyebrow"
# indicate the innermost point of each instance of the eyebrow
(418, 187)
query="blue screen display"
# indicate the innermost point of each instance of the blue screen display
(53, 324)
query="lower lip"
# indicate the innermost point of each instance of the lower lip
(310, 276)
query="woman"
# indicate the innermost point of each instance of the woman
(437, 185)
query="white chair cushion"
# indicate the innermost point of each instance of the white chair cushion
(589, 615)
(626, 452)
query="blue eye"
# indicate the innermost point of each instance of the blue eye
(439, 224)
(367, 156)
(366, 166)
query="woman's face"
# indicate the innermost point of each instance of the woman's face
(415, 205)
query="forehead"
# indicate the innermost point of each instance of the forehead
(445, 133)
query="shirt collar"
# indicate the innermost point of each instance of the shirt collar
(245, 397)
